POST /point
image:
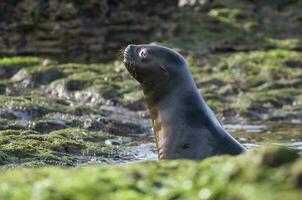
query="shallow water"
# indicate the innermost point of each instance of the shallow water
(141, 145)
(278, 133)
(250, 135)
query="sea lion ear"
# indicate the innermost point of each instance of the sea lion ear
(164, 69)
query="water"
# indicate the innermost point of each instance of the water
(250, 135)
(278, 133)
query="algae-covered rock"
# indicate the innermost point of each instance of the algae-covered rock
(2, 89)
(258, 85)
(241, 177)
(296, 173)
(67, 147)
(245, 64)
(41, 77)
(9, 66)
(275, 156)
(232, 26)
(81, 31)
(103, 98)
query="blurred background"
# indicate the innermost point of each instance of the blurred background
(82, 31)
(66, 98)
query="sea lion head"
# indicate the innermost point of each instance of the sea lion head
(155, 67)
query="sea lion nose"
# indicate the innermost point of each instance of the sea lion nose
(130, 47)
(127, 52)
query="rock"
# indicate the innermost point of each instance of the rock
(296, 173)
(67, 147)
(137, 105)
(7, 72)
(112, 142)
(213, 178)
(81, 32)
(7, 115)
(11, 65)
(35, 79)
(47, 126)
(94, 124)
(3, 159)
(294, 63)
(123, 128)
(277, 156)
(21, 75)
(47, 76)
(74, 85)
(2, 89)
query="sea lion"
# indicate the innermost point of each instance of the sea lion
(184, 125)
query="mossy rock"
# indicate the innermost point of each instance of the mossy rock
(255, 85)
(10, 65)
(67, 147)
(232, 25)
(275, 157)
(222, 177)
(2, 88)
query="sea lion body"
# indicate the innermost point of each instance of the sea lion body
(184, 126)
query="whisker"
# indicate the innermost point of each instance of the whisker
(120, 53)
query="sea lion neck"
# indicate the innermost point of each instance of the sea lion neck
(162, 89)
(155, 95)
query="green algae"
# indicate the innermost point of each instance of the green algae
(263, 84)
(22, 61)
(214, 178)
(248, 82)
(233, 25)
(67, 147)
(245, 65)
(244, 82)
(245, 79)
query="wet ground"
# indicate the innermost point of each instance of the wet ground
(248, 70)
(246, 66)
(77, 114)
(250, 135)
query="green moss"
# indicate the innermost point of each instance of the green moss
(244, 63)
(33, 103)
(257, 82)
(239, 81)
(234, 26)
(23, 61)
(296, 173)
(224, 79)
(226, 15)
(63, 147)
(215, 178)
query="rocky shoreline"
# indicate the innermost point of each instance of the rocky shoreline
(247, 67)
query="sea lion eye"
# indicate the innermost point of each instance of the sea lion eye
(143, 53)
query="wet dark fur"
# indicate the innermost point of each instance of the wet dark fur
(184, 126)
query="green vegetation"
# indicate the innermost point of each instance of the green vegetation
(232, 25)
(271, 173)
(66, 147)
(246, 60)
(256, 84)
